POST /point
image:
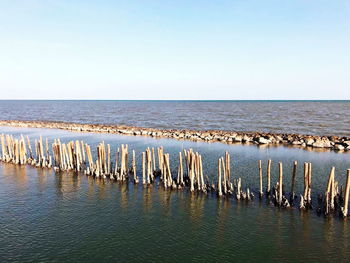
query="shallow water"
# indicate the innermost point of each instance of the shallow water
(304, 117)
(68, 217)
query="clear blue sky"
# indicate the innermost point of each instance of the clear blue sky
(179, 49)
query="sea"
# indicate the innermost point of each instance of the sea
(303, 117)
(70, 217)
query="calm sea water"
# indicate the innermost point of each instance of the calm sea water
(305, 117)
(48, 217)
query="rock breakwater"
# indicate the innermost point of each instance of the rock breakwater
(336, 143)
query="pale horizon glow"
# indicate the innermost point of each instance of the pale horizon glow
(173, 50)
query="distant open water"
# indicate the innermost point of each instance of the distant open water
(304, 117)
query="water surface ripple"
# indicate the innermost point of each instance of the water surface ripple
(303, 117)
(65, 217)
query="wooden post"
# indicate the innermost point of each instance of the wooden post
(116, 164)
(170, 178)
(178, 176)
(219, 178)
(201, 172)
(143, 168)
(260, 177)
(187, 162)
(227, 166)
(302, 203)
(97, 172)
(126, 161)
(162, 171)
(83, 150)
(160, 158)
(238, 194)
(181, 169)
(268, 171)
(77, 148)
(2, 148)
(309, 184)
(122, 163)
(196, 165)
(47, 149)
(153, 159)
(332, 191)
(191, 170)
(165, 179)
(293, 179)
(37, 156)
(105, 166)
(30, 148)
(65, 156)
(91, 162)
(60, 153)
(70, 147)
(21, 152)
(224, 175)
(280, 184)
(41, 152)
(148, 155)
(306, 180)
(16, 152)
(134, 167)
(329, 192)
(109, 160)
(346, 197)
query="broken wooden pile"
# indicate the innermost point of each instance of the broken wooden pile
(77, 156)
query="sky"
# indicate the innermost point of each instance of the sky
(179, 49)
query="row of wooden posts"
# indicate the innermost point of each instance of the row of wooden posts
(77, 156)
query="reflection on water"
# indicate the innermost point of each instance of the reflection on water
(17, 174)
(124, 192)
(147, 199)
(196, 208)
(47, 216)
(219, 228)
(67, 183)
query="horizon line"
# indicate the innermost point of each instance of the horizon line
(191, 100)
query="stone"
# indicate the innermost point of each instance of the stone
(322, 143)
(309, 141)
(346, 143)
(238, 138)
(279, 139)
(272, 139)
(246, 138)
(263, 140)
(339, 147)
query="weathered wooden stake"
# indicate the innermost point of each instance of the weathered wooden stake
(143, 168)
(346, 197)
(219, 178)
(261, 193)
(295, 164)
(268, 171)
(309, 184)
(330, 192)
(280, 183)
(306, 180)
